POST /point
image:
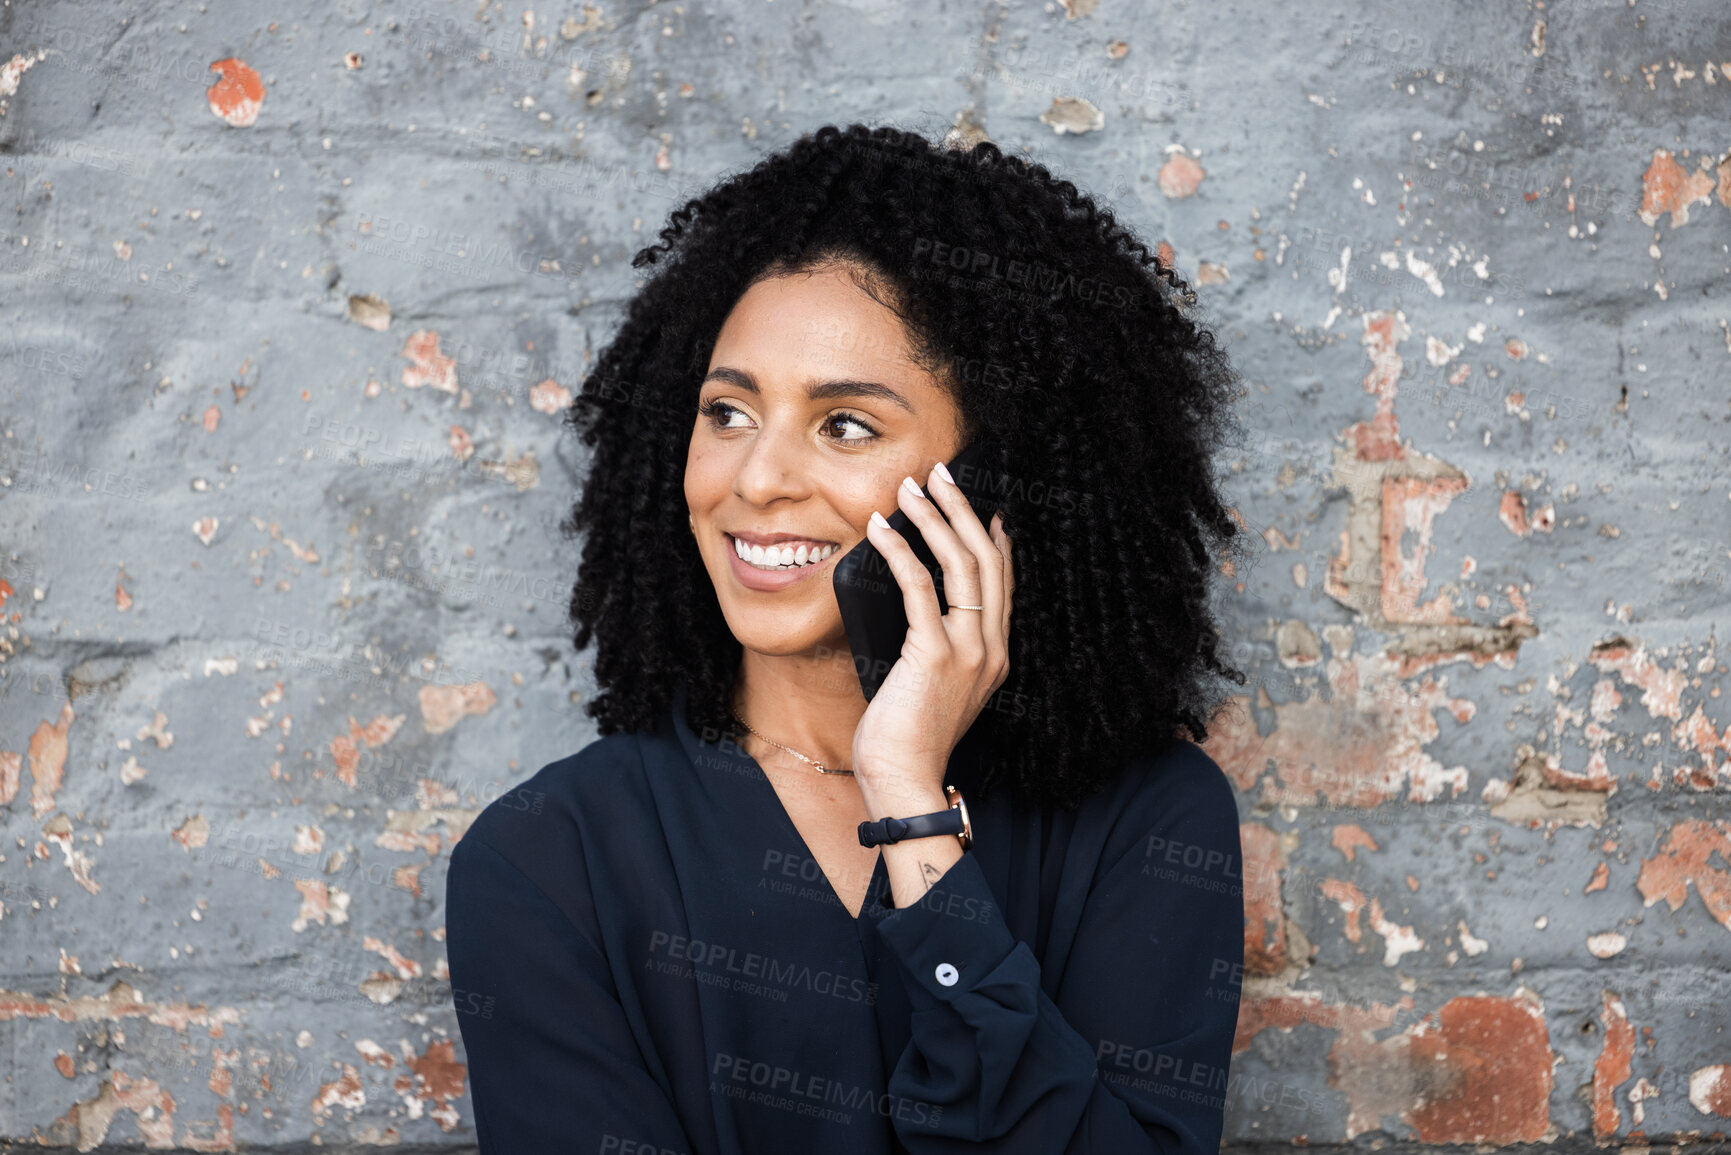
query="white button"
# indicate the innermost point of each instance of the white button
(947, 974)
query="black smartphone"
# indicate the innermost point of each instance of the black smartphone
(872, 606)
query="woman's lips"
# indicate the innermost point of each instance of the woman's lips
(769, 581)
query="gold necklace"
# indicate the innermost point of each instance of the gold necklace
(821, 768)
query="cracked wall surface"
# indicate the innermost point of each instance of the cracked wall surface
(294, 300)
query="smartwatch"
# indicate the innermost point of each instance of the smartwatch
(952, 821)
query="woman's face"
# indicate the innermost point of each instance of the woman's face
(812, 413)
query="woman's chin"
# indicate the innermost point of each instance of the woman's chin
(773, 637)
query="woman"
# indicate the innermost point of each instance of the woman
(677, 939)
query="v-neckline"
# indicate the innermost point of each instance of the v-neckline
(879, 883)
(880, 869)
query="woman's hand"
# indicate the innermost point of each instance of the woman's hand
(950, 664)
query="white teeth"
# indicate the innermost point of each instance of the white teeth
(781, 557)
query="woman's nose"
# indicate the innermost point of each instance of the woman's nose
(770, 469)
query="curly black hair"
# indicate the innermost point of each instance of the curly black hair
(1099, 402)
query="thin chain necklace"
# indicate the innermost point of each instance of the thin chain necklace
(821, 768)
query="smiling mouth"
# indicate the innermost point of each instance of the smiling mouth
(782, 555)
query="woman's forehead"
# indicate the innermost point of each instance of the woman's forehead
(821, 324)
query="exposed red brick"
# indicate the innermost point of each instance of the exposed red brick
(444, 706)
(48, 760)
(322, 902)
(1601, 875)
(462, 445)
(1349, 837)
(1661, 690)
(377, 732)
(239, 95)
(1361, 747)
(1379, 438)
(406, 968)
(1351, 900)
(1697, 733)
(1180, 176)
(407, 878)
(549, 397)
(1409, 506)
(431, 367)
(346, 1092)
(1710, 1090)
(347, 757)
(1666, 187)
(1686, 857)
(1512, 511)
(438, 1079)
(1289, 1009)
(1486, 1072)
(1264, 912)
(11, 762)
(1613, 1067)
(152, 1107)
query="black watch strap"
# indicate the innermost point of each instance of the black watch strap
(888, 830)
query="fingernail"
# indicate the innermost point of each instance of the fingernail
(878, 519)
(909, 484)
(943, 473)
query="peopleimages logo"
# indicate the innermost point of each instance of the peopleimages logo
(799, 1091)
(712, 959)
(1033, 276)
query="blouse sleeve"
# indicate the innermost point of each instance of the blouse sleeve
(1133, 1055)
(552, 1062)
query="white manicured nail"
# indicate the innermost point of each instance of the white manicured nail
(879, 519)
(943, 473)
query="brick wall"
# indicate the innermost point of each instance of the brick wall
(292, 302)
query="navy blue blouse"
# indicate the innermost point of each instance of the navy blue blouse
(646, 960)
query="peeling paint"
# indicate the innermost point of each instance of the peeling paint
(1361, 748)
(1265, 946)
(238, 96)
(1686, 857)
(320, 903)
(442, 707)
(549, 397)
(1666, 187)
(1349, 838)
(47, 752)
(1710, 1090)
(429, 368)
(1180, 176)
(1073, 114)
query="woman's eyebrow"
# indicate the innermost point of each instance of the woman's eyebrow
(816, 391)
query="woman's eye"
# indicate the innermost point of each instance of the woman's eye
(836, 419)
(719, 413)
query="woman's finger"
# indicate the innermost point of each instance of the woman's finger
(988, 562)
(1002, 543)
(962, 577)
(919, 594)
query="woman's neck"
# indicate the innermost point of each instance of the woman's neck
(811, 702)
